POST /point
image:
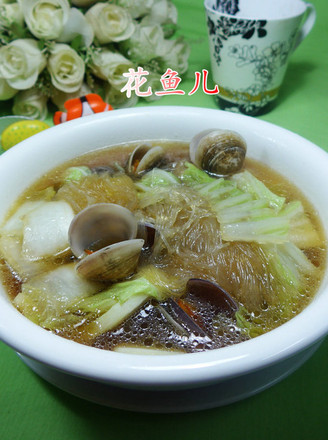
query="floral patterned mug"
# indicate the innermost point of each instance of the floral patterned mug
(250, 44)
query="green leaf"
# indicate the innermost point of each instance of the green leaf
(77, 43)
(19, 31)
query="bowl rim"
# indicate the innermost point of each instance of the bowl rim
(168, 370)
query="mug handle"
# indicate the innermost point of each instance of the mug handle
(311, 15)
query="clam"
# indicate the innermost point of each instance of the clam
(112, 263)
(143, 158)
(103, 238)
(218, 152)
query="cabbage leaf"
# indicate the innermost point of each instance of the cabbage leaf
(249, 211)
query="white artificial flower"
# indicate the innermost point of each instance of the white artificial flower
(164, 13)
(66, 68)
(137, 8)
(111, 66)
(110, 22)
(21, 61)
(59, 98)
(76, 25)
(146, 43)
(118, 99)
(11, 13)
(6, 92)
(45, 18)
(31, 103)
(176, 56)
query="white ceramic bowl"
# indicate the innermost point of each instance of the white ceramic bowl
(166, 383)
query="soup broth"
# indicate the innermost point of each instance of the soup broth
(218, 261)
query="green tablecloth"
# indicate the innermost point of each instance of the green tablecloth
(296, 408)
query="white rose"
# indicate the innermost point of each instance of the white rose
(118, 99)
(146, 43)
(6, 92)
(164, 13)
(45, 18)
(110, 22)
(31, 103)
(137, 8)
(111, 66)
(11, 13)
(76, 25)
(176, 56)
(66, 68)
(21, 61)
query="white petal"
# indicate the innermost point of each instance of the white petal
(24, 83)
(76, 25)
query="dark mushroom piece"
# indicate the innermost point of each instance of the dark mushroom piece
(182, 321)
(147, 232)
(213, 294)
(103, 169)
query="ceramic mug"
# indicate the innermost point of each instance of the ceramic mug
(250, 45)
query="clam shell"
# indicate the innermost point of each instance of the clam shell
(219, 152)
(144, 157)
(112, 263)
(101, 225)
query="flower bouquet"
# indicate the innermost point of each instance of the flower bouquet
(54, 50)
